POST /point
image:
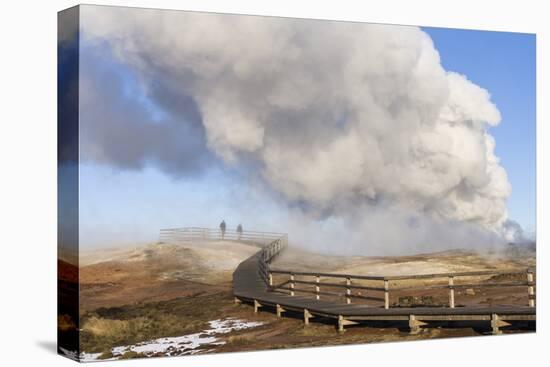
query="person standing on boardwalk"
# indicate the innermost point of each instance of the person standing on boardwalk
(240, 231)
(222, 228)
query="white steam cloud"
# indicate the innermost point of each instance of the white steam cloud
(352, 123)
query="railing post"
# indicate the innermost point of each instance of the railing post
(317, 289)
(291, 284)
(451, 292)
(386, 294)
(530, 288)
(340, 323)
(307, 316)
(348, 290)
(495, 324)
(270, 279)
(257, 305)
(280, 310)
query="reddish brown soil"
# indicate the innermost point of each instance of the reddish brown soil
(113, 283)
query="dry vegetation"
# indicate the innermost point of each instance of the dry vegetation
(105, 328)
(162, 291)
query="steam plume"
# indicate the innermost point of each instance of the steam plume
(349, 122)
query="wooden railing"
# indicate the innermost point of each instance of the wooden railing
(267, 254)
(382, 284)
(272, 243)
(351, 285)
(197, 234)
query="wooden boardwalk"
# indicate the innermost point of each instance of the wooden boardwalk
(251, 285)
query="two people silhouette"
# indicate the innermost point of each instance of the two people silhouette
(223, 227)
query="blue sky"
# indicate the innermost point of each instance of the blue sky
(127, 205)
(504, 64)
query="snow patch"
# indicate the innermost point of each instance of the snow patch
(179, 345)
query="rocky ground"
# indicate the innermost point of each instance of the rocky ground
(161, 299)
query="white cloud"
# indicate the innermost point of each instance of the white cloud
(337, 116)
